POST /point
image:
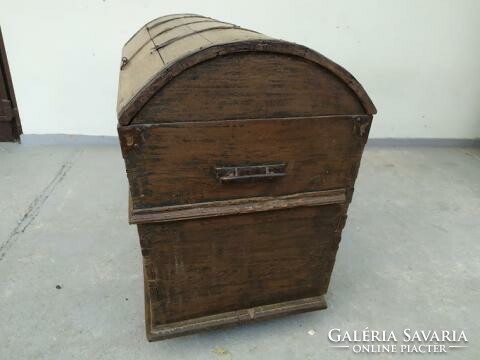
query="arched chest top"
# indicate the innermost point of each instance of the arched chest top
(188, 67)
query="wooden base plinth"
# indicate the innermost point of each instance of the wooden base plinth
(232, 318)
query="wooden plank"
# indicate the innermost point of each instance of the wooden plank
(233, 207)
(161, 332)
(214, 265)
(248, 85)
(6, 131)
(10, 127)
(174, 163)
(4, 94)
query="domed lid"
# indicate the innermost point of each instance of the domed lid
(167, 46)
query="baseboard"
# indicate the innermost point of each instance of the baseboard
(161, 332)
(65, 139)
(422, 142)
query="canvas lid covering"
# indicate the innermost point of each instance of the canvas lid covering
(168, 45)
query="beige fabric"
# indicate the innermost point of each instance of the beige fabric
(177, 22)
(144, 62)
(137, 73)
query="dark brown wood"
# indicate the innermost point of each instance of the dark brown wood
(208, 266)
(251, 85)
(10, 128)
(241, 154)
(161, 332)
(237, 206)
(319, 153)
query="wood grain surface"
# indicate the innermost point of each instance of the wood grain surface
(10, 127)
(250, 85)
(202, 267)
(174, 164)
(241, 153)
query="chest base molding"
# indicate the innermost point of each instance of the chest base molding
(234, 317)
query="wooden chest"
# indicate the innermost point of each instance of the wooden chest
(241, 153)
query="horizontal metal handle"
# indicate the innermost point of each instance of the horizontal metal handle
(233, 174)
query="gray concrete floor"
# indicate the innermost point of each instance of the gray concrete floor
(409, 258)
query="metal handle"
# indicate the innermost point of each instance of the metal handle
(234, 174)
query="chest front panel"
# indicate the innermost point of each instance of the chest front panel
(177, 163)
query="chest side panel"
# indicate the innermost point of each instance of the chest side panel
(250, 85)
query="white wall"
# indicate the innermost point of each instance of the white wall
(418, 59)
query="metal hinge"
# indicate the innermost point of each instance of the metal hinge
(6, 110)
